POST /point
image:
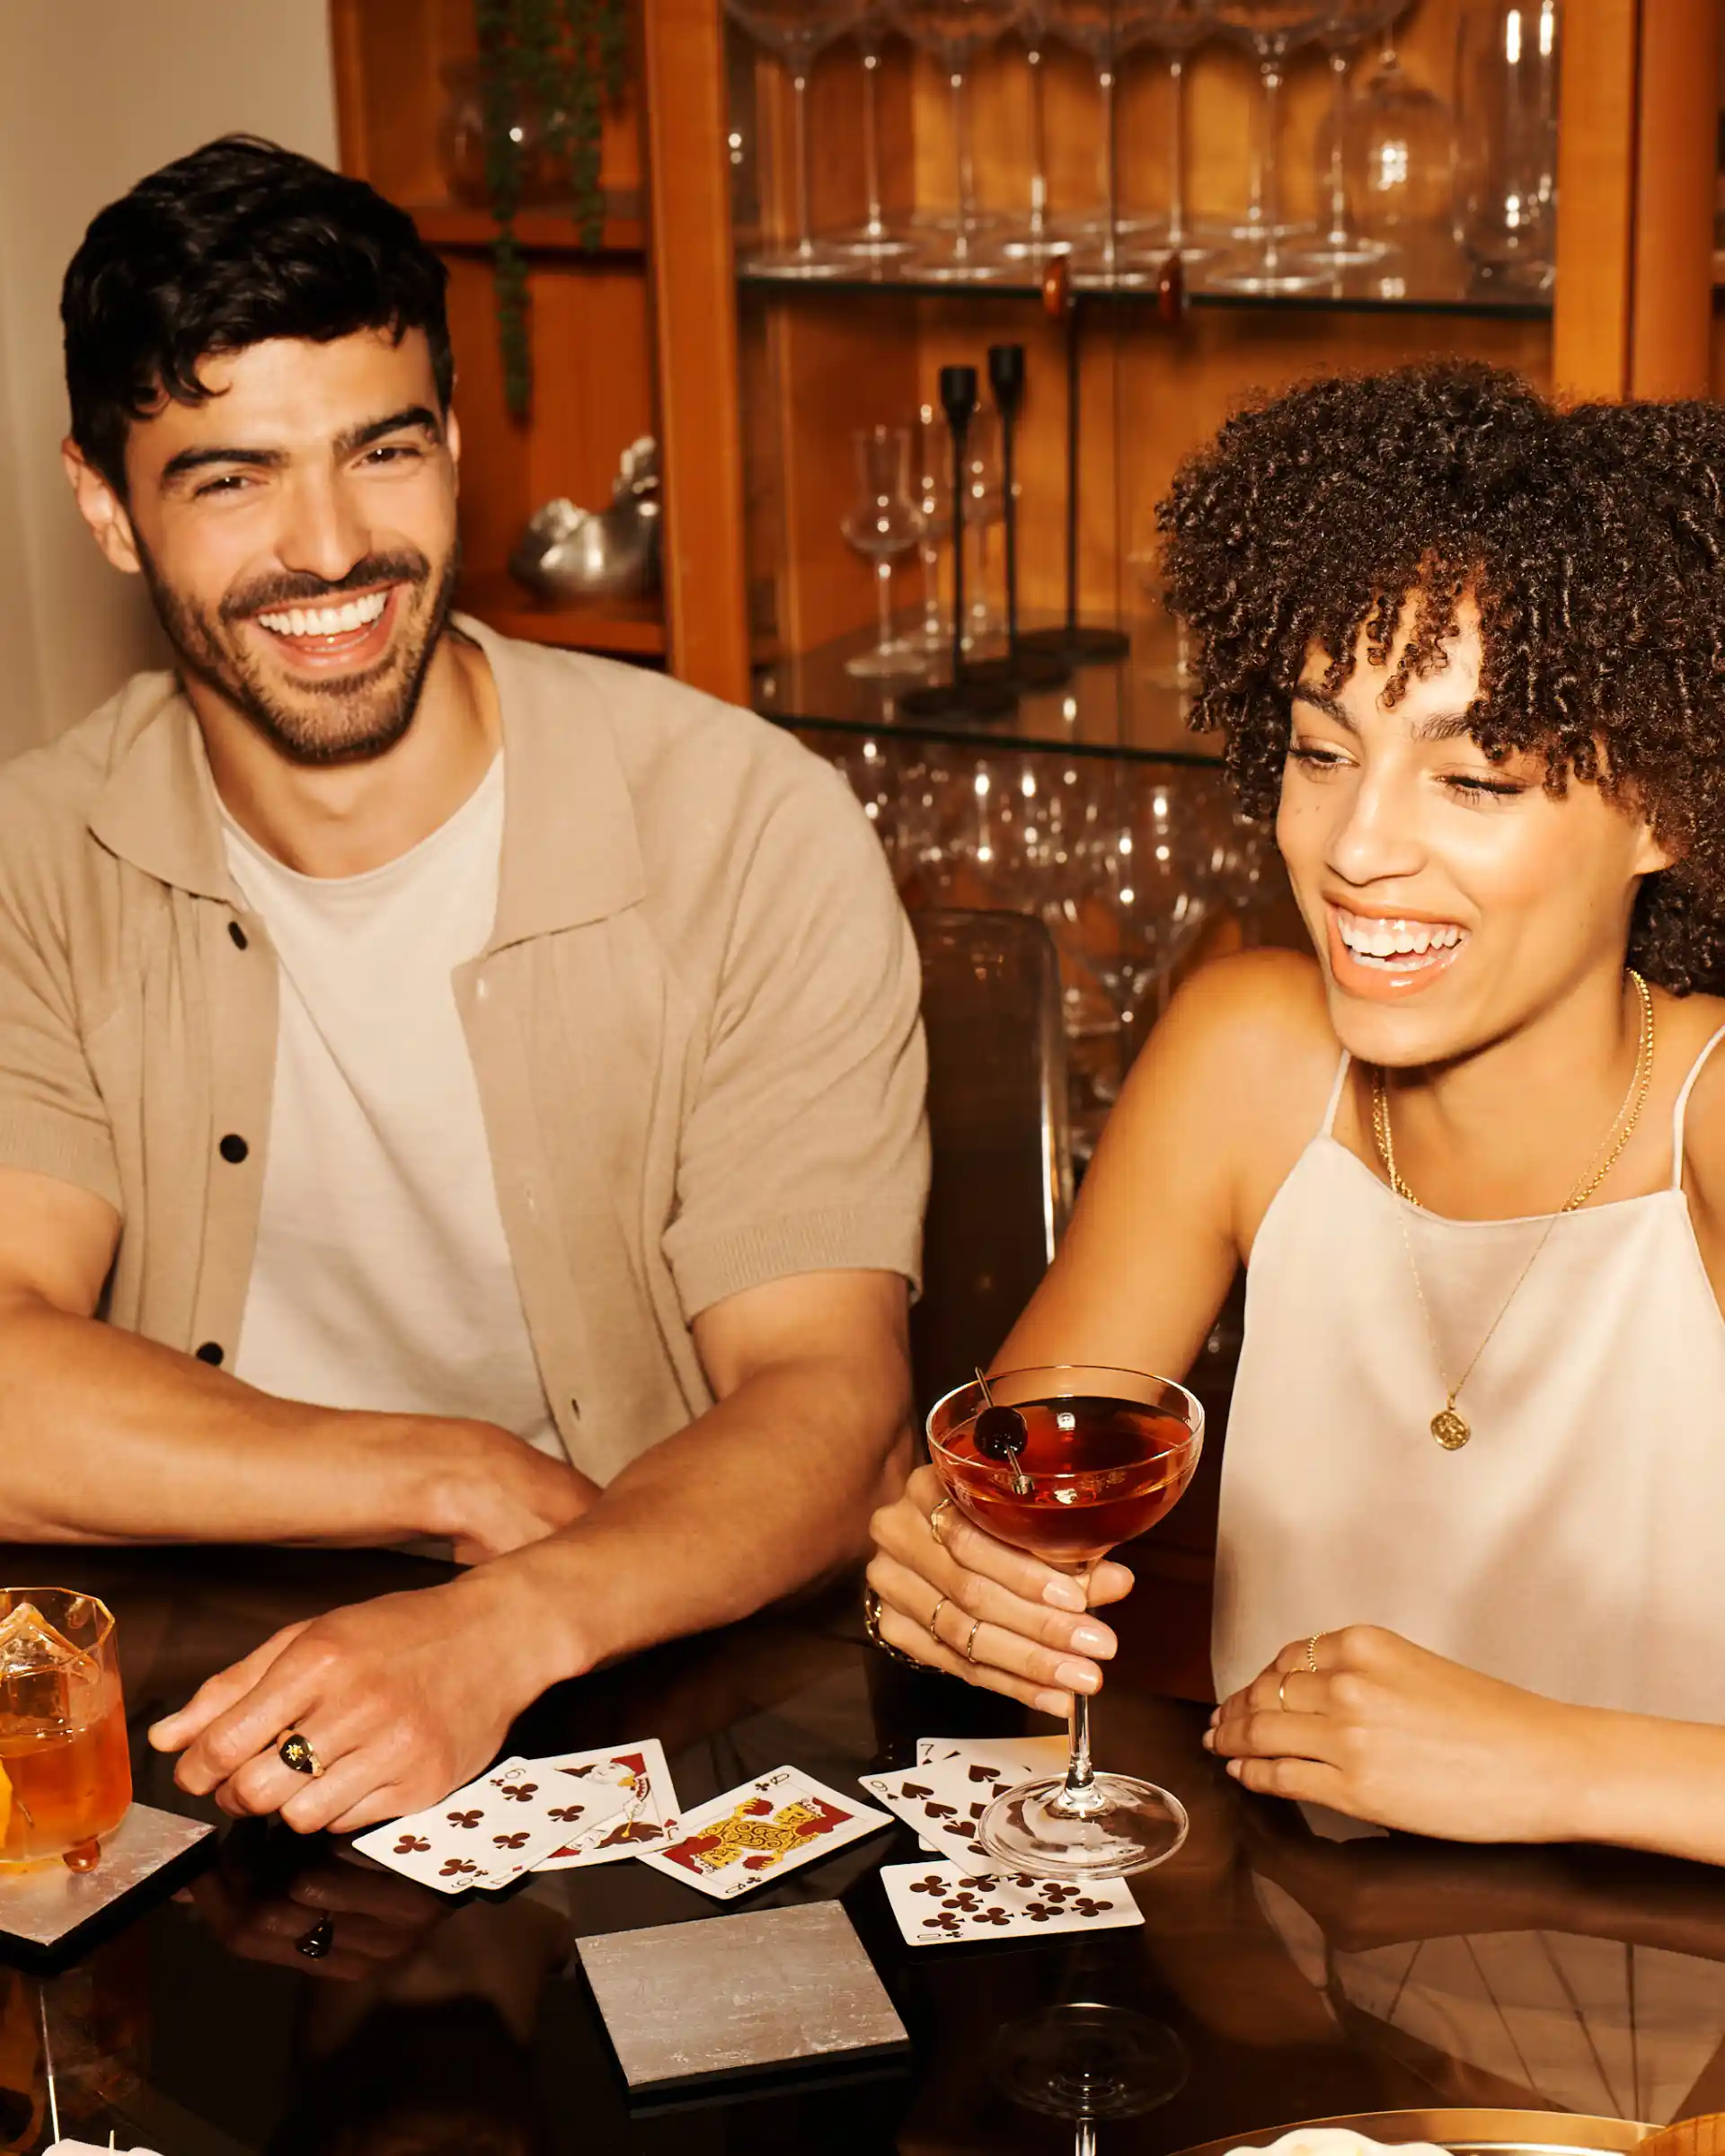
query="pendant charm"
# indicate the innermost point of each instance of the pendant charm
(1450, 1427)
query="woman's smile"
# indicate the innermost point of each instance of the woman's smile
(1384, 955)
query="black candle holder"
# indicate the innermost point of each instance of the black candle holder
(1078, 643)
(1022, 667)
(963, 696)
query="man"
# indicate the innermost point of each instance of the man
(447, 1087)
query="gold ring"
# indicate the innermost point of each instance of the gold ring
(1281, 1694)
(296, 1751)
(940, 1604)
(936, 1520)
(971, 1644)
(1312, 1652)
(872, 1626)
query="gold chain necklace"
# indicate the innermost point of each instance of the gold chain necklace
(1449, 1426)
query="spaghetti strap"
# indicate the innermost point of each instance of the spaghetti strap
(1681, 1108)
(1342, 1075)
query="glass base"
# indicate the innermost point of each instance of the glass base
(791, 262)
(1352, 251)
(884, 660)
(1260, 281)
(866, 246)
(1127, 1826)
(1086, 2059)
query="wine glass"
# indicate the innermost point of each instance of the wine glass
(1343, 246)
(874, 239)
(930, 489)
(880, 524)
(953, 31)
(1104, 32)
(1270, 30)
(1180, 27)
(1035, 243)
(1399, 151)
(1066, 1463)
(1505, 133)
(796, 30)
(984, 507)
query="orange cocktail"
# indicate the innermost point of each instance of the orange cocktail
(66, 1775)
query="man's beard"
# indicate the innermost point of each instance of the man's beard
(347, 719)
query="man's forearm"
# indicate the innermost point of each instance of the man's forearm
(107, 1437)
(763, 1494)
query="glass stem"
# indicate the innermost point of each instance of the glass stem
(1038, 148)
(883, 589)
(875, 228)
(962, 163)
(1110, 168)
(1085, 2140)
(931, 621)
(1270, 190)
(1177, 153)
(1338, 234)
(800, 145)
(1078, 1769)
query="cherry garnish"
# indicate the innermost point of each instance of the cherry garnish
(1001, 1433)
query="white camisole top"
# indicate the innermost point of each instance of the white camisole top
(1576, 1546)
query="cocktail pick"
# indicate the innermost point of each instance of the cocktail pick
(1001, 1433)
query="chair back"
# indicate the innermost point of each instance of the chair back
(1001, 1184)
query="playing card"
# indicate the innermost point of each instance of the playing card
(1025, 1756)
(758, 1832)
(490, 1833)
(648, 1820)
(937, 1905)
(944, 1801)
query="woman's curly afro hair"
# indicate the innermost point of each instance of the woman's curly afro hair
(1589, 538)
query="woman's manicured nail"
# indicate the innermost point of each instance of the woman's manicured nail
(1234, 1767)
(1208, 1740)
(1063, 1595)
(1091, 1639)
(1078, 1676)
(1216, 1716)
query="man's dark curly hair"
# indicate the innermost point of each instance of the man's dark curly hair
(1589, 538)
(234, 243)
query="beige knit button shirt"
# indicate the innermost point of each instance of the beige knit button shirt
(695, 1027)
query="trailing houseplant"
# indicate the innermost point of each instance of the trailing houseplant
(568, 59)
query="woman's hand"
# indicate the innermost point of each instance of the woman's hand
(1389, 1732)
(1023, 1622)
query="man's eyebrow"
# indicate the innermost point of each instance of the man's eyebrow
(1442, 726)
(418, 416)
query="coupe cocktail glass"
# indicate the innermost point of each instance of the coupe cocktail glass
(1066, 1463)
(66, 1774)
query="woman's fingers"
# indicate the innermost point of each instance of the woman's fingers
(1269, 1733)
(1026, 1642)
(1306, 1781)
(909, 1637)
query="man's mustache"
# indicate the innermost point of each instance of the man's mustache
(407, 566)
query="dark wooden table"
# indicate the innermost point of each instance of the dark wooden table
(1302, 1976)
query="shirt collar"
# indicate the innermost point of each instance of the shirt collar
(571, 850)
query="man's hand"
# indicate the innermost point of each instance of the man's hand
(360, 1919)
(402, 1700)
(494, 1493)
(1387, 1731)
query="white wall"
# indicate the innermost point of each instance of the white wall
(93, 94)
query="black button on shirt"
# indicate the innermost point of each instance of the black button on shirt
(210, 1352)
(234, 1148)
(238, 935)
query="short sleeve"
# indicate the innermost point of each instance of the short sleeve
(52, 1117)
(805, 1149)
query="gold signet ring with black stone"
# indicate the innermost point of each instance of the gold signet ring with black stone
(296, 1751)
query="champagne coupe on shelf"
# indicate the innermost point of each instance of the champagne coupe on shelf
(1036, 241)
(952, 32)
(882, 523)
(1399, 149)
(874, 239)
(1270, 30)
(1179, 28)
(797, 31)
(1066, 1463)
(1350, 25)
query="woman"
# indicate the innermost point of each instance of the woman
(1469, 649)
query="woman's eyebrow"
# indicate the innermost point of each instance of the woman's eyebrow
(1442, 726)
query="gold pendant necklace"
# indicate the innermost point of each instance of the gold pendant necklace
(1449, 1426)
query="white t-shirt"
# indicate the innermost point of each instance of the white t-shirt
(381, 1277)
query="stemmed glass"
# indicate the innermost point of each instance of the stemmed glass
(1350, 24)
(1104, 32)
(1180, 27)
(1399, 148)
(953, 31)
(1270, 30)
(1505, 133)
(985, 507)
(1036, 243)
(874, 241)
(1066, 1463)
(882, 523)
(796, 30)
(931, 489)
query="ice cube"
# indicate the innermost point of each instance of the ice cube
(37, 1667)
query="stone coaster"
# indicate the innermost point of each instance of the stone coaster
(42, 1903)
(735, 1995)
